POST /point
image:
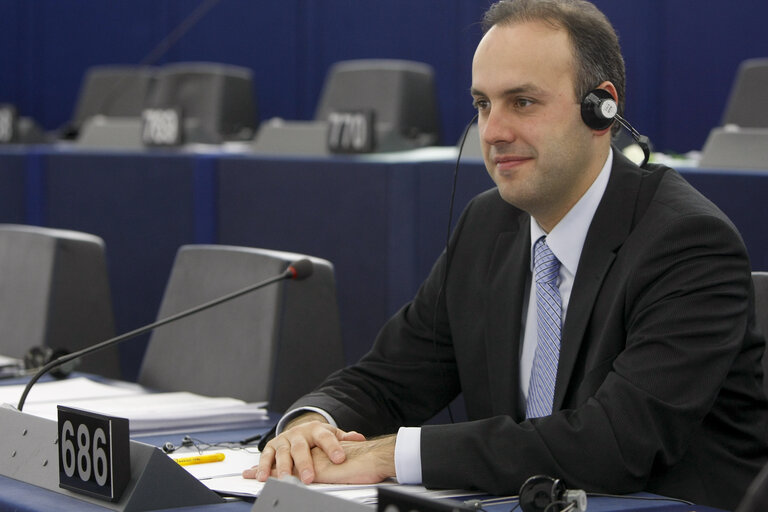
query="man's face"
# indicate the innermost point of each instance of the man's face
(536, 148)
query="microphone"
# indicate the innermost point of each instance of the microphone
(298, 270)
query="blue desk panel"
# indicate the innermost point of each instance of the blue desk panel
(743, 196)
(143, 206)
(355, 214)
(13, 179)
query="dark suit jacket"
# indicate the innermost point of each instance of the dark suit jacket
(659, 383)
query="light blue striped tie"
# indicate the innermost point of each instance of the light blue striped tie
(541, 390)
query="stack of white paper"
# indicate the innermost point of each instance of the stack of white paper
(146, 411)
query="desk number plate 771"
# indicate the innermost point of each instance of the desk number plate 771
(94, 453)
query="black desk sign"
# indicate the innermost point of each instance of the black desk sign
(161, 126)
(351, 132)
(7, 123)
(94, 453)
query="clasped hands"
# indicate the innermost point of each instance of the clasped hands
(314, 451)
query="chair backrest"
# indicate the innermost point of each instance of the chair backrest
(113, 91)
(54, 292)
(756, 497)
(400, 92)
(760, 282)
(217, 101)
(748, 101)
(274, 344)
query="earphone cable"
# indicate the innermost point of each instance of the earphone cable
(441, 291)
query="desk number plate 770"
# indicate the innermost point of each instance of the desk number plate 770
(94, 453)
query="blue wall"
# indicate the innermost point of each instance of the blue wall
(681, 54)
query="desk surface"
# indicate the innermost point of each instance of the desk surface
(23, 497)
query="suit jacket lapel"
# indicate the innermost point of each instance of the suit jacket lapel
(505, 295)
(609, 228)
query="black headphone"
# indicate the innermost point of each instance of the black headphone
(599, 110)
(37, 357)
(542, 493)
(169, 447)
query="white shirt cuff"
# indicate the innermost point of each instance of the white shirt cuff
(298, 412)
(408, 455)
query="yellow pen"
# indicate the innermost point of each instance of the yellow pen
(200, 459)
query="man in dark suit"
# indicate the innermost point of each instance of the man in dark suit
(635, 367)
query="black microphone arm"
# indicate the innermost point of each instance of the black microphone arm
(298, 270)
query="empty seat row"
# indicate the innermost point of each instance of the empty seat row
(273, 344)
(216, 103)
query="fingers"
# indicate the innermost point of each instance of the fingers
(276, 456)
(298, 455)
(366, 462)
(262, 471)
(290, 452)
(351, 436)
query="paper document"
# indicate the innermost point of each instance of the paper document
(146, 411)
(235, 461)
(10, 367)
(9, 361)
(236, 485)
(225, 477)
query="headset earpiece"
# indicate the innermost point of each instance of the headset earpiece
(169, 447)
(39, 356)
(539, 492)
(598, 109)
(543, 493)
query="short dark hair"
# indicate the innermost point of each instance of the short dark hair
(593, 38)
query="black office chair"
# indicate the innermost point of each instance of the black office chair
(273, 344)
(55, 296)
(756, 497)
(760, 282)
(217, 101)
(118, 91)
(400, 92)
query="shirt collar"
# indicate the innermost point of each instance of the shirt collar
(566, 240)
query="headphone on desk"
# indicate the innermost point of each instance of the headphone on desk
(169, 447)
(541, 493)
(37, 357)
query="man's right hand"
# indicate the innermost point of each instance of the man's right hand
(290, 452)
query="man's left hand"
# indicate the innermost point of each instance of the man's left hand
(366, 462)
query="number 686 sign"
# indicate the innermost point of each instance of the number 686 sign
(94, 453)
